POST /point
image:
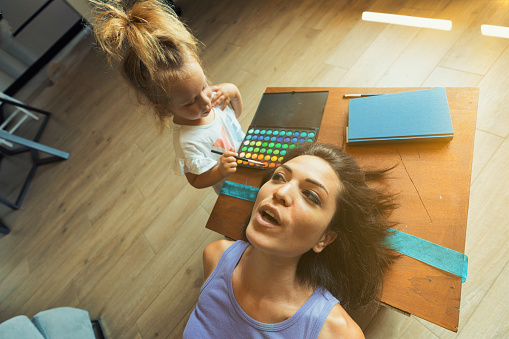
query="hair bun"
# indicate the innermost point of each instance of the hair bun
(148, 28)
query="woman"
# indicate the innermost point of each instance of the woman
(315, 248)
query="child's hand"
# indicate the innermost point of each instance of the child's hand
(225, 93)
(227, 163)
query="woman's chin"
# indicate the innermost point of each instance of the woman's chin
(259, 236)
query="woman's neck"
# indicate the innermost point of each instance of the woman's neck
(262, 269)
(266, 286)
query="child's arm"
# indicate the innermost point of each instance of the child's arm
(227, 165)
(227, 94)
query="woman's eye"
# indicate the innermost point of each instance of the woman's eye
(278, 177)
(313, 197)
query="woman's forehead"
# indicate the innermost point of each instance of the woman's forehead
(313, 167)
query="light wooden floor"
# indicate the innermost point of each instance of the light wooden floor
(110, 231)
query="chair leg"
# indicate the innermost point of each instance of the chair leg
(28, 145)
(98, 328)
(3, 228)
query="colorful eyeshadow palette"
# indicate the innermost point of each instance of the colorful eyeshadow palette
(282, 122)
(268, 145)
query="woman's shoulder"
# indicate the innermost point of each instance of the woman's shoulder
(216, 248)
(340, 325)
(212, 254)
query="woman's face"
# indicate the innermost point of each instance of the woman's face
(294, 208)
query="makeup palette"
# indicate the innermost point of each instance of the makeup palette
(270, 144)
(282, 122)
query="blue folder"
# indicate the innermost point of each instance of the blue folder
(400, 117)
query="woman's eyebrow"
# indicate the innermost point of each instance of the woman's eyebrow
(312, 181)
(286, 167)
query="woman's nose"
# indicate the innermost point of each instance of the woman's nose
(283, 194)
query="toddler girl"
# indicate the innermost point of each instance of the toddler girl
(159, 58)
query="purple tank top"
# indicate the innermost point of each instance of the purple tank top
(218, 315)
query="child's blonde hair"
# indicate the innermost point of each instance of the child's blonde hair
(152, 45)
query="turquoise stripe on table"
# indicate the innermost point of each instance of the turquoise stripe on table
(240, 191)
(430, 253)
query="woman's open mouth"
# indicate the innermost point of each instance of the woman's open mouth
(269, 217)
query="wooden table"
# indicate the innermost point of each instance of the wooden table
(433, 182)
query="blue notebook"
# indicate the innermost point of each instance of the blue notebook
(400, 117)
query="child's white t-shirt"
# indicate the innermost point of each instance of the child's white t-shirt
(193, 144)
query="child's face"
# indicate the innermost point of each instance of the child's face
(191, 97)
